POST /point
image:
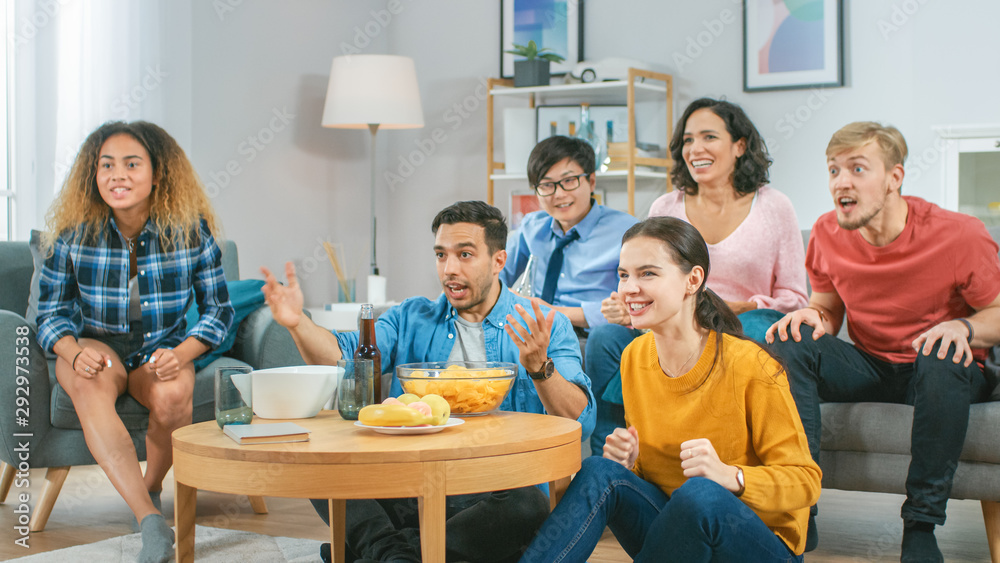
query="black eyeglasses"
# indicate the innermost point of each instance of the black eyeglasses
(546, 189)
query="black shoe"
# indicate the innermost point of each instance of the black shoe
(919, 544)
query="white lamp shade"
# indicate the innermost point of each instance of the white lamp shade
(367, 89)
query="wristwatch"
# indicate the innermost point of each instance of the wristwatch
(739, 479)
(548, 368)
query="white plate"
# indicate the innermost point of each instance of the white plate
(412, 429)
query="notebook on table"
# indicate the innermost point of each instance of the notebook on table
(271, 433)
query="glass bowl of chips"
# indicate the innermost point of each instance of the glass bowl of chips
(471, 388)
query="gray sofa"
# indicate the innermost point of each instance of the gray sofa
(53, 432)
(866, 447)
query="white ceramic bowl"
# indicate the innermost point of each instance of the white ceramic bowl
(289, 392)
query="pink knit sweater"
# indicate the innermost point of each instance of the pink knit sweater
(762, 261)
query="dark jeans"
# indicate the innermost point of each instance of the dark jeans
(125, 345)
(701, 521)
(940, 392)
(486, 527)
(603, 366)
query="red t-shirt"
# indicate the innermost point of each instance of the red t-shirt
(941, 266)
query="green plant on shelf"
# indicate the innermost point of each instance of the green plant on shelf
(531, 52)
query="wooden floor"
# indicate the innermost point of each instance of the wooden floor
(854, 527)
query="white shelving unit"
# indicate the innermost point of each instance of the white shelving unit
(652, 86)
(971, 170)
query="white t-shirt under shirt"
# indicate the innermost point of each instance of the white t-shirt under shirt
(470, 342)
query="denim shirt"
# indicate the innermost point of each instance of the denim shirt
(421, 330)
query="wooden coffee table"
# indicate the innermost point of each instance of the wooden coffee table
(342, 461)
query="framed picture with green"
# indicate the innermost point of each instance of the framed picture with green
(792, 44)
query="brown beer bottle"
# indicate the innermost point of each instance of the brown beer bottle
(368, 349)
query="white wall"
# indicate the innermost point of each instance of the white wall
(911, 63)
(281, 183)
(938, 67)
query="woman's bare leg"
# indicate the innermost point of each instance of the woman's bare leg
(103, 430)
(170, 406)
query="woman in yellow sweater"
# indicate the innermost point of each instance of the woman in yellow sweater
(714, 465)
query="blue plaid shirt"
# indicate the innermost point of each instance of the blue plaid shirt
(83, 289)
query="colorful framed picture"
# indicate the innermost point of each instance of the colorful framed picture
(792, 44)
(551, 24)
(522, 202)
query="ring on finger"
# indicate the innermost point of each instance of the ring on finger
(86, 369)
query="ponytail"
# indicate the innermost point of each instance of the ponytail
(711, 312)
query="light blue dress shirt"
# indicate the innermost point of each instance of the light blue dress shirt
(421, 330)
(590, 264)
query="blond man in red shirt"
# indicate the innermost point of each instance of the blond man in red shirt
(920, 287)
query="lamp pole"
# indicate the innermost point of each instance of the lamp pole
(373, 127)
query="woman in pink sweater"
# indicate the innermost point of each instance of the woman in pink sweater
(758, 259)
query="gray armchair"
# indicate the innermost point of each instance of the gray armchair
(866, 447)
(50, 426)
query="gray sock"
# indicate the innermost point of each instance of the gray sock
(155, 497)
(157, 540)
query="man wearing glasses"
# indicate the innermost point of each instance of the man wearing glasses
(575, 241)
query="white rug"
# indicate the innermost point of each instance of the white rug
(211, 545)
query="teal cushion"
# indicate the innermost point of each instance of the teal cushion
(246, 298)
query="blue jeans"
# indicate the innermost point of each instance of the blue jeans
(701, 521)
(603, 364)
(940, 391)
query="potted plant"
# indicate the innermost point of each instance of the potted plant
(533, 70)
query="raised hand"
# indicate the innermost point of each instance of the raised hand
(533, 341)
(285, 301)
(622, 446)
(615, 311)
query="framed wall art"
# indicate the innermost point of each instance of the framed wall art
(792, 44)
(552, 24)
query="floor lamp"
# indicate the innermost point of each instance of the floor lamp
(373, 92)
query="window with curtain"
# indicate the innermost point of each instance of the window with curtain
(78, 64)
(6, 191)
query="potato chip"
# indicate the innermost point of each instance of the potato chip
(466, 390)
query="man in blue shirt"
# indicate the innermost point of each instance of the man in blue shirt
(475, 318)
(561, 171)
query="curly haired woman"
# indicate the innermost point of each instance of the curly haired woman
(129, 239)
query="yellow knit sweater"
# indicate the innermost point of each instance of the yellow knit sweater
(744, 408)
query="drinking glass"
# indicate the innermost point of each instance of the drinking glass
(233, 395)
(357, 387)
